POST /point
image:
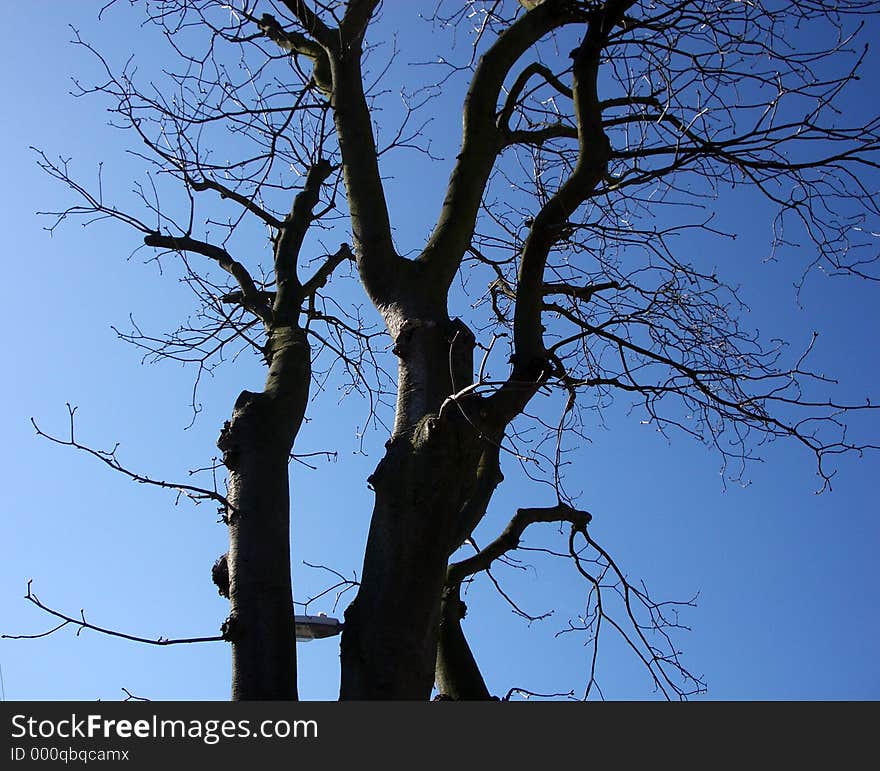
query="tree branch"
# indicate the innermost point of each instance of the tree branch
(248, 203)
(253, 299)
(289, 241)
(323, 273)
(81, 624)
(510, 538)
(539, 136)
(481, 138)
(298, 43)
(196, 494)
(580, 292)
(310, 20)
(357, 16)
(661, 660)
(530, 363)
(378, 263)
(456, 673)
(535, 68)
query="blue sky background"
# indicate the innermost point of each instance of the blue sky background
(788, 580)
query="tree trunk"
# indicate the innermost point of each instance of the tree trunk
(422, 485)
(256, 445)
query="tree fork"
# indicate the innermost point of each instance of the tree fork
(422, 484)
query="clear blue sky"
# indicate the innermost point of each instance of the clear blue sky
(788, 580)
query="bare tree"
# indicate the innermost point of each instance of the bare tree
(594, 133)
(278, 313)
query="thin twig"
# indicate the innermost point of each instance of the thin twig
(81, 624)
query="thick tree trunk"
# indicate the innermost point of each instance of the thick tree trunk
(422, 486)
(256, 445)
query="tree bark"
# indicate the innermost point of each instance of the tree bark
(256, 445)
(422, 485)
(457, 675)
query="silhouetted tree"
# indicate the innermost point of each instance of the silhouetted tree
(594, 133)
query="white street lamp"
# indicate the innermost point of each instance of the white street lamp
(316, 627)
